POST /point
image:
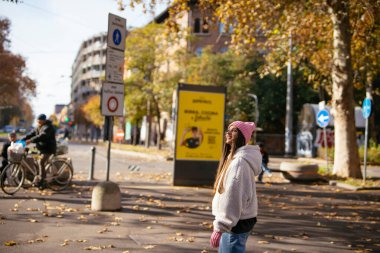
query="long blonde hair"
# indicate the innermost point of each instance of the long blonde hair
(224, 162)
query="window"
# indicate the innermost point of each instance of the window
(205, 26)
(197, 25)
(198, 51)
(224, 49)
(221, 27)
(201, 26)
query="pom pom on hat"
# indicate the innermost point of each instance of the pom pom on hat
(246, 128)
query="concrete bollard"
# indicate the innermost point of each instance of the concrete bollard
(106, 196)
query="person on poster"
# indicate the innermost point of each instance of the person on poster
(235, 201)
(194, 140)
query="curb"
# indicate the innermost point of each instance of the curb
(351, 187)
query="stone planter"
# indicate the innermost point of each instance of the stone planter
(299, 171)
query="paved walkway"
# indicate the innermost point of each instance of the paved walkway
(157, 217)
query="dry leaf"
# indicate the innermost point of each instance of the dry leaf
(33, 220)
(93, 248)
(190, 239)
(104, 230)
(10, 243)
(263, 242)
(81, 240)
(149, 247)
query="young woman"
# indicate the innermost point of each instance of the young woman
(235, 203)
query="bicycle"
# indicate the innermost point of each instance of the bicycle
(22, 171)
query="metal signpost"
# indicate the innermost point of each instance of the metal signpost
(112, 99)
(323, 119)
(366, 110)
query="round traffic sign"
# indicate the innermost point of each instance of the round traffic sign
(323, 118)
(116, 36)
(112, 104)
(367, 108)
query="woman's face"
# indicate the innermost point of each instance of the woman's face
(231, 134)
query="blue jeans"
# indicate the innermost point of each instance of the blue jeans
(265, 169)
(233, 243)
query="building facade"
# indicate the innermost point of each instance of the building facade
(203, 32)
(88, 70)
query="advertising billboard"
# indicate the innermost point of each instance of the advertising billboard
(200, 113)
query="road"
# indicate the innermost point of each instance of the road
(121, 162)
(157, 217)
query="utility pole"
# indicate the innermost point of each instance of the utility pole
(289, 104)
(148, 125)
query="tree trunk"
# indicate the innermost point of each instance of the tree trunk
(346, 157)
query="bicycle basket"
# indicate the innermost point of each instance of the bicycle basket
(14, 157)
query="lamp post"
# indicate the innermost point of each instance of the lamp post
(256, 106)
(289, 104)
(256, 112)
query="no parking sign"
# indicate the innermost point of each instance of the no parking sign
(112, 99)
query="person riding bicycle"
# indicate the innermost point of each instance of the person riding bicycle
(4, 153)
(44, 138)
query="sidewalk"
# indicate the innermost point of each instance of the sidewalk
(157, 217)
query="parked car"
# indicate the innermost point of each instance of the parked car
(9, 129)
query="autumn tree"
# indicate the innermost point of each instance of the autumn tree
(327, 33)
(147, 82)
(91, 111)
(239, 74)
(15, 86)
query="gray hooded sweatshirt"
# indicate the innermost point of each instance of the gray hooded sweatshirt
(239, 200)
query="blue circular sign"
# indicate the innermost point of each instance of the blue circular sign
(323, 118)
(116, 36)
(367, 108)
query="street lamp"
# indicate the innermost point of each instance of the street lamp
(289, 104)
(256, 106)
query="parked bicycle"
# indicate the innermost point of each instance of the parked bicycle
(22, 171)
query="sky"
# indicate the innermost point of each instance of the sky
(48, 34)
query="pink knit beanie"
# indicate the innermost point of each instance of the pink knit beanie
(246, 128)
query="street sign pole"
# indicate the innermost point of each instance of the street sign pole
(109, 120)
(323, 118)
(326, 150)
(365, 150)
(113, 87)
(367, 111)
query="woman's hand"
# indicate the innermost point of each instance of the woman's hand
(215, 239)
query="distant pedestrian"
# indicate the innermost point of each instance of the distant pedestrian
(264, 164)
(12, 137)
(235, 202)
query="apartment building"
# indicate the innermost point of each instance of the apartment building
(88, 69)
(203, 32)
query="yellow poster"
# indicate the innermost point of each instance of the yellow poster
(200, 125)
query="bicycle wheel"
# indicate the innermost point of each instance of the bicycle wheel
(12, 178)
(59, 174)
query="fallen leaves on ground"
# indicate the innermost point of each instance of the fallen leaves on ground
(10, 243)
(149, 246)
(101, 247)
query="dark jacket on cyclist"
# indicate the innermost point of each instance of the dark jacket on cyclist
(44, 137)
(4, 155)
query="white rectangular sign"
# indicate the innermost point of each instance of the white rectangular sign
(116, 32)
(112, 99)
(114, 65)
